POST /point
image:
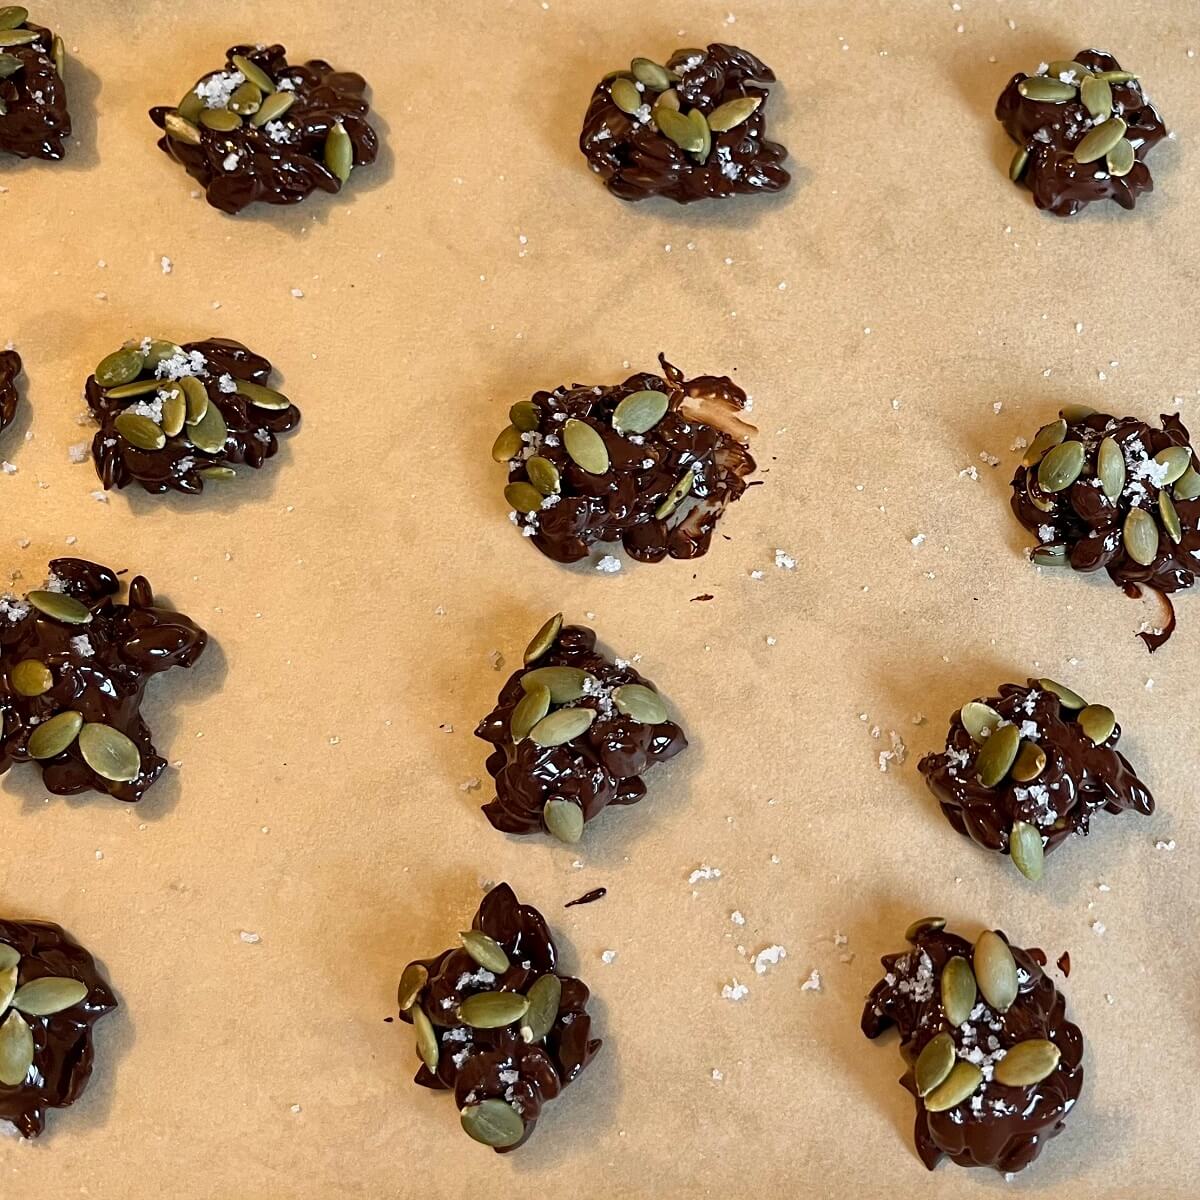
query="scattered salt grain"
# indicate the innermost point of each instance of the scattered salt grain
(812, 983)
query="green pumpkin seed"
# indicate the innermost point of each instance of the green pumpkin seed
(158, 351)
(648, 72)
(934, 1063)
(523, 497)
(563, 819)
(59, 51)
(625, 95)
(640, 703)
(49, 995)
(566, 684)
(129, 391)
(492, 1010)
(525, 415)
(31, 678)
(174, 409)
(1169, 517)
(1049, 556)
(995, 971)
(1110, 468)
(272, 108)
(678, 129)
(54, 736)
(530, 709)
(13, 15)
(562, 726)
(1026, 849)
(246, 99)
(494, 1123)
(121, 366)
(508, 445)
(1096, 95)
(545, 997)
(732, 113)
(1047, 91)
(1016, 167)
(979, 720)
(191, 106)
(486, 951)
(254, 73)
(668, 99)
(217, 473)
(179, 129)
(10, 64)
(543, 639)
(60, 607)
(263, 397)
(1176, 460)
(339, 151)
(1035, 497)
(196, 395)
(924, 925)
(1187, 487)
(958, 990)
(543, 474)
(1120, 158)
(1099, 140)
(1098, 721)
(1140, 535)
(139, 431)
(997, 755)
(220, 120)
(1027, 1063)
(9, 957)
(427, 1039)
(110, 753)
(958, 1086)
(412, 982)
(585, 446)
(16, 1050)
(1067, 698)
(1061, 467)
(1045, 440)
(208, 433)
(1116, 76)
(1075, 414)
(1031, 762)
(1067, 66)
(8, 984)
(18, 37)
(675, 497)
(700, 125)
(639, 412)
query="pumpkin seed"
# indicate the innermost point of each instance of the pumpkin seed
(732, 113)
(272, 108)
(543, 474)
(254, 73)
(492, 1010)
(648, 72)
(61, 607)
(543, 639)
(1067, 66)
(1031, 762)
(54, 736)
(139, 431)
(1027, 1063)
(263, 397)
(191, 106)
(1120, 158)
(1045, 440)
(585, 446)
(217, 473)
(18, 37)
(625, 95)
(1099, 140)
(158, 351)
(958, 1086)
(339, 151)
(494, 1123)
(679, 129)
(668, 99)
(110, 753)
(196, 395)
(562, 726)
(31, 677)
(997, 756)
(1035, 497)
(412, 981)
(544, 999)
(1049, 556)
(486, 951)
(121, 366)
(700, 125)
(1047, 91)
(58, 50)
(246, 99)
(174, 410)
(675, 497)
(208, 433)
(1187, 487)
(1061, 467)
(10, 64)
(1176, 460)
(995, 971)
(1140, 535)
(16, 1050)
(566, 684)
(1110, 468)
(530, 709)
(1067, 698)
(49, 995)
(979, 720)
(1020, 160)
(9, 957)
(639, 412)
(525, 415)
(958, 990)
(934, 1062)
(178, 128)
(427, 1039)
(8, 985)
(524, 497)
(1096, 95)
(128, 391)
(1169, 517)
(13, 15)
(1026, 849)
(924, 925)
(220, 120)
(1098, 722)
(640, 703)
(563, 819)
(508, 444)
(1116, 76)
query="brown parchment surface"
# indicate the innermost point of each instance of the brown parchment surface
(880, 313)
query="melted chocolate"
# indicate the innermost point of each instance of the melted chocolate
(1050, 131)
(34, 121)
(498, 1064)
(284, 160)
(10, 368)
(1079, 779)
(62, 1041)
(701, 432)
(99, 669)
(602, 766)
(250, 430)
(998, 1126)
(1081, 526)
(587, 897)
(636, 160)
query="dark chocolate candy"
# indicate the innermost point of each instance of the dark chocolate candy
(241, 421)
(659, 492)
(1048, 133)
(243, 146)
(559, 787)
(1130, 505)
(34, 121)
(1059, 778)
(677, 153)
(997, 1125)
(86, 668)
(10, 368)
(515, 1067)
(45, 1028)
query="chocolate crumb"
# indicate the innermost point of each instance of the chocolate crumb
(588, 897)
(1064, 963)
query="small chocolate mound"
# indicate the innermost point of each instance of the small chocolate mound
(51, 994)
(496, 1024)
(1025, 770)
(693, 130)
(1083, 128)
(980, 1100)
(264, 130)
(172, 416)
(651, 463)
(1114, 493)
(574, 732)
(10, 368)
(34, 121)
(74, 665)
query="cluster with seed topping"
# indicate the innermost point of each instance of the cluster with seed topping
(10, 368)
(34, 122)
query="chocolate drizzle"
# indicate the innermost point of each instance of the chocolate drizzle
(10, 368)
(998, 1126)
(34, 121)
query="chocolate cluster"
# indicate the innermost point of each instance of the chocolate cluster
(74, 664)
(10, 368)
(496, 1024)
(694, 129)
(993, 1064)
(1083, 128)
(1025, 770)
(1114, 493)
(262, 129)
(34, 122)
(651, 463)
(573, 731)
(51, 994)
(173, 416)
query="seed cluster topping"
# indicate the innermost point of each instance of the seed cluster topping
(173, 416)
(993, 1064)
(262, 129)
(34, 122)
(1024, 770)
(51, 995)
(10, 368)
(1114, 493)
(573, 732)
(651, 463)
(1083, 128)
(694, 129)
(496, 1024)
(73, 670)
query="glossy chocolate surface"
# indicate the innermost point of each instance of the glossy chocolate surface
(999, 1126)
(34, 122)
(100, 669)
(10, 368)
(62, 1042)
(486, 1064)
